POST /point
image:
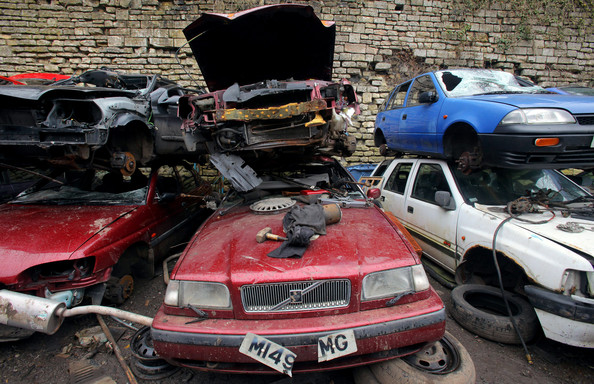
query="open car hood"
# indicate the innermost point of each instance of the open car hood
(277, 42)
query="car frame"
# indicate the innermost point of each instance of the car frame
(227, 262)
(99, 119)
(482, 117)
(458, 220)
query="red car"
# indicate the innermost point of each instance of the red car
(89, 233)
(355, 295)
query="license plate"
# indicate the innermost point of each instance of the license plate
(336, 345)
(268, 353)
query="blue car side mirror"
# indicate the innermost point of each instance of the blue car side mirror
(428, 97)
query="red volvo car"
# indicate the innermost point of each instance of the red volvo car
(351, 293)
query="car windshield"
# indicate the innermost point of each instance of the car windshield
(499, 186)
(88, 188)
(471, 82)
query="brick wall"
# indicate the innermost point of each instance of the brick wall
(378, 43)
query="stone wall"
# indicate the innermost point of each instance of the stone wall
(378, 43)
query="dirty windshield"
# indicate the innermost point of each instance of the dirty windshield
(498, 186)
(472, 82)
(87, 188)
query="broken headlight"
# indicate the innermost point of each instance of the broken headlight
(197, 294)
(538, 116)
(393, 282)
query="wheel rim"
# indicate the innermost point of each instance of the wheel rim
(127, 284)
(438, 358)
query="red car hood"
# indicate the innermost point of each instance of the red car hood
(225, 249)
(275, 42)
(36, 234)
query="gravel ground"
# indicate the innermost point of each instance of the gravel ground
(61, 358)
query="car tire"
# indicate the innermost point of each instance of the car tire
(445, 361)
(481, 310)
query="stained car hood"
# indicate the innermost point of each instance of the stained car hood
(574, 104)
(31, 92)
(35, 234)
(277, 42)
(581, 241)
(225, 249)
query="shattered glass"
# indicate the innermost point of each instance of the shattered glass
(472, 82)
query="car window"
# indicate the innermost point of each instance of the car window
(398, 96)
(188, 179)
(420, 85)
(381, 168)
(397, 180)
(430, 179)
(167, 181)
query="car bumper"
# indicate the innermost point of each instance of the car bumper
(381, 334)
(518, 149)
(562, 318)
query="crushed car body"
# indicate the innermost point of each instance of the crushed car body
(268, 72)
(80, 234)
(100, 119)
(349, 292)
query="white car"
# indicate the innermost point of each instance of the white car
(545, 247)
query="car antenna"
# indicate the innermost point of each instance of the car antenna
(184, 68)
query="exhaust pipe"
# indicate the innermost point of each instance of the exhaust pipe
(44, 315)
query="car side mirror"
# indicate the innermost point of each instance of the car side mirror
(428, 97)
(445, 200)
(167, 197)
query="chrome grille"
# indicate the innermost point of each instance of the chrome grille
(296, 296)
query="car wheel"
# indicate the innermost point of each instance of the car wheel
(445, 361)
(481, 310)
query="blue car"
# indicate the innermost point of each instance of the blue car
(482, 117)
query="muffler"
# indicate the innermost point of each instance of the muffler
(44, 315)
(30, 312)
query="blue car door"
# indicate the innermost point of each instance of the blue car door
(389, 119)
(418, 119)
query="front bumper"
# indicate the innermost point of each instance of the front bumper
(381, 334)
(518, 149)
(562, 318)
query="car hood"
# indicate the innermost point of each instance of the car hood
(580, 241)
(225, 249)
(30, 92)
(573, 104)
(36, 234)
(275, 42)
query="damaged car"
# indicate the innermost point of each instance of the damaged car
(79, 234)
(484, 117)
(304, 273)
(522, 234)
(99, 119)
(269, 75)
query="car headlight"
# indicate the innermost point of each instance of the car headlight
(198, 294)
(538, 116)
(392, 282)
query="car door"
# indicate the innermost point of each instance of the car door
(176, 206)
(418, 118)
(388, 120)
(394, 186)
(433, 226)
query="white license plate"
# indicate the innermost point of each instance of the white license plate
(336, 345)
(268, 353)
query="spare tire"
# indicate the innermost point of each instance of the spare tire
(481, 310)
(445, 361)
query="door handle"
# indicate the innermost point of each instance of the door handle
(404, 117)
(382, 198)
(410, 209)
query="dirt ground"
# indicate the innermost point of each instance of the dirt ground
(61, 358)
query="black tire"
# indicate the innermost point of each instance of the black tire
(481, 310)
(445, 361)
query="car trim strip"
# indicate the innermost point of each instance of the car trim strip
(363, 332)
